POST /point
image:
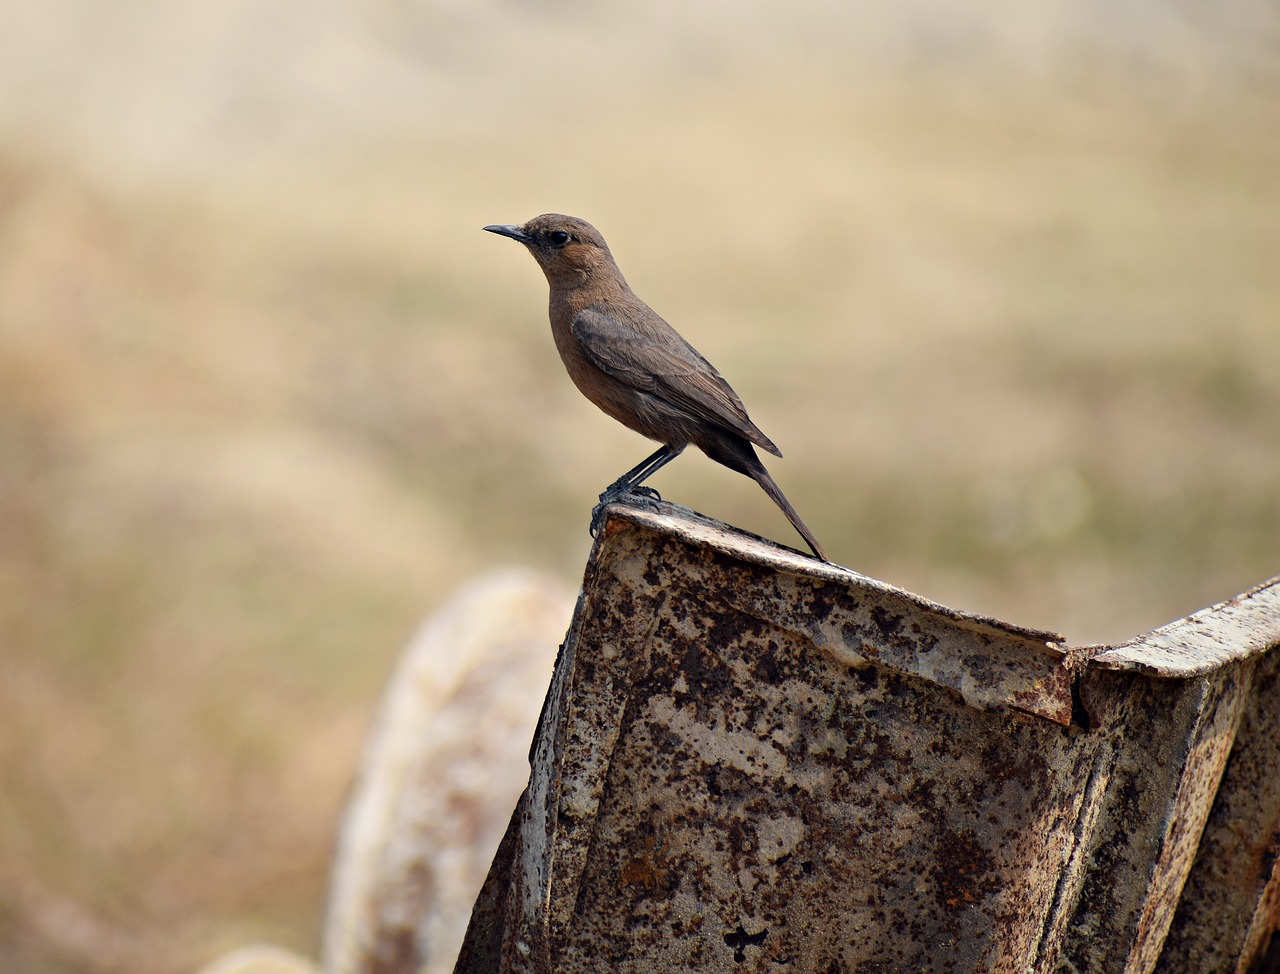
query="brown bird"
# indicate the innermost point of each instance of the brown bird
(628, 361)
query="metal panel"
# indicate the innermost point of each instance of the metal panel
(750, 761)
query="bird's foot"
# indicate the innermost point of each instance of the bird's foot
(597, 520)
(620, 489)
(648, 493)
(646, 496)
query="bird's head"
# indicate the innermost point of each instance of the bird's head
(570, 251)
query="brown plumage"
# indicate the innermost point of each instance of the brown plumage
(628, 361)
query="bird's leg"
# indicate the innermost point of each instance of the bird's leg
(630, 482)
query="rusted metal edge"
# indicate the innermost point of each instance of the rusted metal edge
(863, 621)
(699, 529)
(1237, 629)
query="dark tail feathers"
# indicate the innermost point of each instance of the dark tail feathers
(738, 454)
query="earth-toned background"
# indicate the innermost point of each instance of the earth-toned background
(1003, 282)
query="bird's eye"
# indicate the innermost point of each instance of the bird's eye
(558, 238)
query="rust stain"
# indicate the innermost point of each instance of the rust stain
(768, 764)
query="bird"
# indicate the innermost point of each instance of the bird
(627, 360)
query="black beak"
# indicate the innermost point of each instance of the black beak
(515, 233)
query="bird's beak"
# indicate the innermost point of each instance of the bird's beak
(515, 233)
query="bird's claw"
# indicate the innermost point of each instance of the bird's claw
(646, 496)
(597, 520)
(647, 492)
(620, 489)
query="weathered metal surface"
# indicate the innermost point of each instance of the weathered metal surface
(749, 747)
(1172, 742)
(859, 620)
(1230, 906)
(1238, 629)
(749, 761)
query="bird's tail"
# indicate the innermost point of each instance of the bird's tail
(737, 453)
(761, 476)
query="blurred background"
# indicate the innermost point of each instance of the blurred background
(1003, 282)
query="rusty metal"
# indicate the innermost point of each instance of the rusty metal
(749, 761)
(1230, 906)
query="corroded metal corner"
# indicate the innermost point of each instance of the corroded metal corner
(749, 760)
(856, 620)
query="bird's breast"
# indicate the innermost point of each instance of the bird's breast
(634, 408)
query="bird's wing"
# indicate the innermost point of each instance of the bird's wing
(641, 350)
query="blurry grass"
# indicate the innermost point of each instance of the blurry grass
(1022, 354)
